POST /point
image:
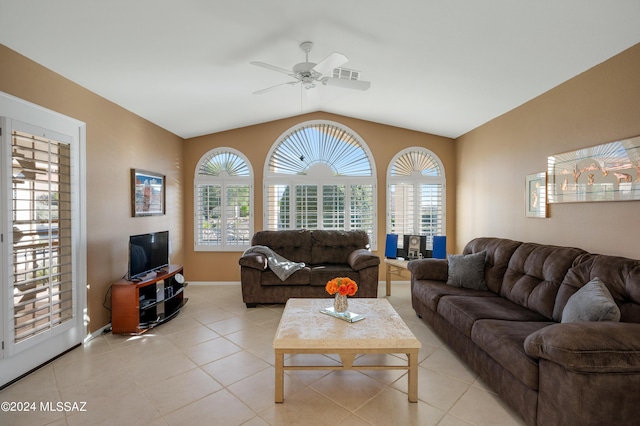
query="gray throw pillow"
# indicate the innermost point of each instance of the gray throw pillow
(593, 302)
(467, 271)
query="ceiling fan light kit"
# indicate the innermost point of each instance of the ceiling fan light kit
(324, 72)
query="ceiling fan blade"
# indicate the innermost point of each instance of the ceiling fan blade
(326, 66)
(347, 84)
(268, 89)
(272, 67)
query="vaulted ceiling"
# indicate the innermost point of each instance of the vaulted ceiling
(441, 67)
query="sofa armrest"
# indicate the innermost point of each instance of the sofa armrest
(362, 258)
(254, 260)
(429, 269)
(588, 346)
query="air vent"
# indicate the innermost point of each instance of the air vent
(346, 73)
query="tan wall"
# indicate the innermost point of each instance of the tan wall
(598, 106)
(117, 141)
(256, 141)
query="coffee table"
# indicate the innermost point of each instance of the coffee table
(303, 329)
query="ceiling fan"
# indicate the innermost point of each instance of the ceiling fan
(308, 74)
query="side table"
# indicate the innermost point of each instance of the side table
(395, 267)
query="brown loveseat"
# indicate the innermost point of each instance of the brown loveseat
(326, 255)
(515, 337)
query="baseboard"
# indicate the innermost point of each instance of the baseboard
(214, 282)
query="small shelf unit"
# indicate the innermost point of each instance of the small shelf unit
(137, 306)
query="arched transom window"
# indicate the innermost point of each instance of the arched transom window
(223, 195)
(320, 175)
(416, 194)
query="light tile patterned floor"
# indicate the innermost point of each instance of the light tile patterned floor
(213, 365)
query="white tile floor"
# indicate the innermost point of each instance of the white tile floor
(213, 365)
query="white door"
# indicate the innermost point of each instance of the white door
(43, 243)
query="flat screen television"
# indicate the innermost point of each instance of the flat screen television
(148, 253)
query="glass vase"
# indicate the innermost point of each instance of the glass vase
(340, 304)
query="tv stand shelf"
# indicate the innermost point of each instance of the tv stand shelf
(137, 306)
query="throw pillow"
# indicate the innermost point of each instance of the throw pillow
(467, 271)
(593, 302)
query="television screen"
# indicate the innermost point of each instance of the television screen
(148, 253)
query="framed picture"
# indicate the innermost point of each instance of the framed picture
(608, 172)
(147, 193)
(535, 195)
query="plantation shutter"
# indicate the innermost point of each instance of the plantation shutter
(402, 208)
(209, 216)
(333, 209)
(362, 208)
(42, 269)
(431, 220)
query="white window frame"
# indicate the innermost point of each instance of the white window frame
(224, 181)
(416, 179)
(321, 174)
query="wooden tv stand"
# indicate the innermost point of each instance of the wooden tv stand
(137, 306)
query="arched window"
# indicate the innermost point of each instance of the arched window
(223, 195)
(319, 175)
(416, 194)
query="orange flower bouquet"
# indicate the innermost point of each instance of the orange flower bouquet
(342, 286)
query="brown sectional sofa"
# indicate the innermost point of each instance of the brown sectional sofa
(511, 335)
(326, 255)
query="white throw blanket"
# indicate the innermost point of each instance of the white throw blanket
(283, 268)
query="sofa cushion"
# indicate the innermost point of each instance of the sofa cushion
(321, 274)
(467, 271)
(300, 277)
(336, 246)
(294, 245)
(534, 275)
(430, 292)
(504, 342)
(592, 302)
(463, 311)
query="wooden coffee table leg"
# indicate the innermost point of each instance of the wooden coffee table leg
(413, 377)
(279, 377)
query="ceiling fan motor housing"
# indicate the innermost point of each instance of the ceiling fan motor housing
(303, 68)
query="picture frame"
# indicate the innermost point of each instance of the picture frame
(607, 172)
(535, 195)
(148, 193)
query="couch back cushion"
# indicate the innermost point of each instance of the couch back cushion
(534, 275)
(336, 246)
(294, 245)
(499, 252)
(619, 274)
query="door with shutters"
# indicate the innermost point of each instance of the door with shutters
(42, 243)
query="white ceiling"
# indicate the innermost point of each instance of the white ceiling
(442, 67)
